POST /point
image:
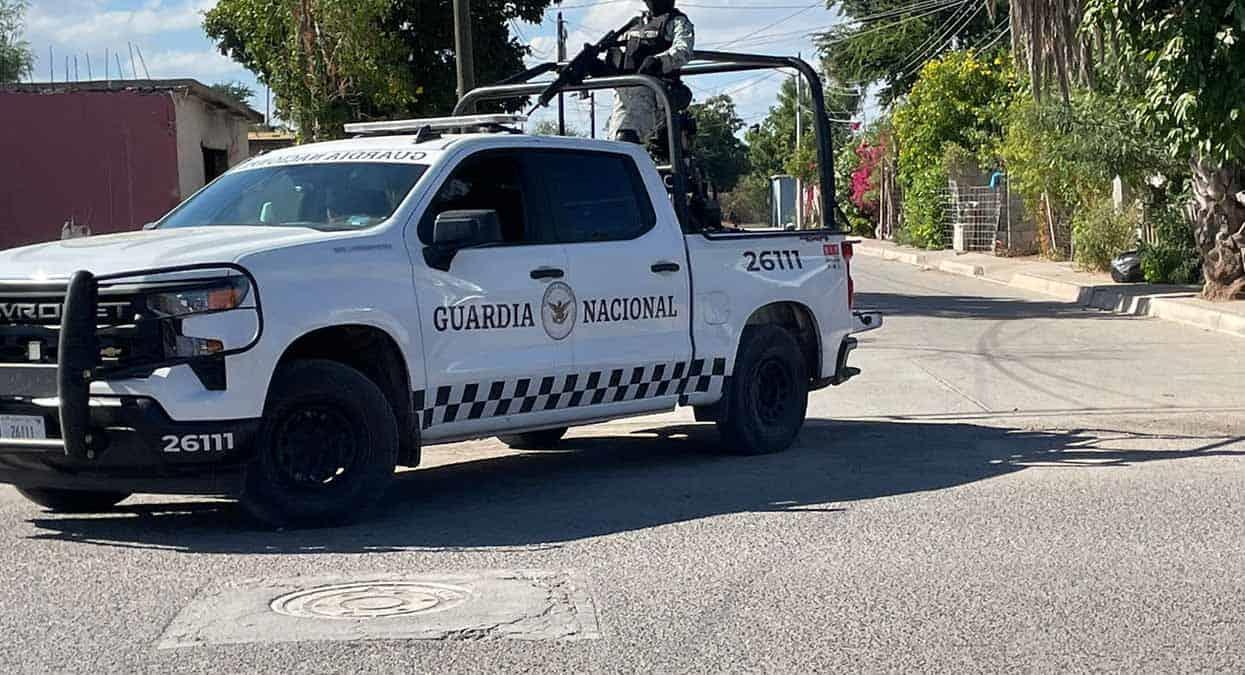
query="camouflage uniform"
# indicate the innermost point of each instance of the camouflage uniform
(665, 39)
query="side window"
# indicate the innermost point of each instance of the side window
(489, 180)
(596, 196)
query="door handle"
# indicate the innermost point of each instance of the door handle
(664, 267)
(548, 273)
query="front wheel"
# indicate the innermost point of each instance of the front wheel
(73, 501)
(327, 449)
(765, 405)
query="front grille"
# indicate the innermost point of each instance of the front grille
(27, 320)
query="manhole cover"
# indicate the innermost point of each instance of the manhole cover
(370, 600)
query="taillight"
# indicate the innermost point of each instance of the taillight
(851, 284)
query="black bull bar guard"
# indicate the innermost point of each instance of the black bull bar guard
(79, 362)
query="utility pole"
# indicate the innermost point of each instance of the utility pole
(561, 59)
(463, 48)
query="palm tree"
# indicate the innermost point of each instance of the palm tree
(1047, 37)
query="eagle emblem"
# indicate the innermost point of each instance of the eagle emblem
(558, 310)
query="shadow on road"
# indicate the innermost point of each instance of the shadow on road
(604, 485)
(977, 307)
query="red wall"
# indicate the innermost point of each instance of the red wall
(106, 158)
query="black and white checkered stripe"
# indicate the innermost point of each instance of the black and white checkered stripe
(482, 400)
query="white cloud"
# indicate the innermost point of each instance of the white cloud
(88, 24)
(207, 66)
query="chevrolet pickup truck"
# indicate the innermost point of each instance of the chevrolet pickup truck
(313, 318)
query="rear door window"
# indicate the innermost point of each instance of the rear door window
(595, 196)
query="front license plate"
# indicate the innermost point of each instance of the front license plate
(23, 427)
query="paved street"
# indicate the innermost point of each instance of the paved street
(1012, 483)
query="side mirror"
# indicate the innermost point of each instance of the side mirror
(453, 231)
(460, 229)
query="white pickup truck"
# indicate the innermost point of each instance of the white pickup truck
(307, 322)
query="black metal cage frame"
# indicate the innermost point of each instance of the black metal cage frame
(703, 63)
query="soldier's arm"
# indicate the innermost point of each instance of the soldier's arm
(683, 35)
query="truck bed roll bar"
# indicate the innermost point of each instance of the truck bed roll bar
(703, 63)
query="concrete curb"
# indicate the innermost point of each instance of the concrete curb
(963, 269)
(1176, 304)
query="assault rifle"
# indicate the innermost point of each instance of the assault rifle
(587, 62)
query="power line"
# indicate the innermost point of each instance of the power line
(819, 3)
(921, 53)
(925, 58)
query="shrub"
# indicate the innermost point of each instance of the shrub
(1067, 155)
(1172, 258)
(1099, 233)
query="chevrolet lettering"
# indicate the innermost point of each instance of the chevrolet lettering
(499, 285)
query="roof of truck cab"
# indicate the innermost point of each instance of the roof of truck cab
(405, 148)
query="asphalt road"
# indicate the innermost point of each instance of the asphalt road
(1011, 484)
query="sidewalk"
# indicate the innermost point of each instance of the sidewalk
(1063, 281)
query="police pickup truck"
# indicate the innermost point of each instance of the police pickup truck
(314, 317)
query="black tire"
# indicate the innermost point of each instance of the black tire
(73, 501)
(547, 439)
(767, 399)
(326, 450)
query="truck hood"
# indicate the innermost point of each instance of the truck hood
(135, 251)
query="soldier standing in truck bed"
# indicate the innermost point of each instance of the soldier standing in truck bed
(659, 42)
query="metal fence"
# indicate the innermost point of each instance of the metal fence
(975, 217)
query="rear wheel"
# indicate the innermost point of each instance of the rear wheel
(73, 501)
(765, 405)
(327, 448)
(547, 439)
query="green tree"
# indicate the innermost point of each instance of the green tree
(1186, 61)
(324, 59)
(955, 108)
(331, 61)
(722, 154)
(887, 41)
(550, 128)
(235, 91)
(16, 59)
(772, 143)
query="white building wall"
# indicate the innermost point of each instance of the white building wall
(200, 125)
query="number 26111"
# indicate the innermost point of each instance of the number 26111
(768, 261)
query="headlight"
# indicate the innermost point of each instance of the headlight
(214, 296)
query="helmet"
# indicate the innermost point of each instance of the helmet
(659, 7)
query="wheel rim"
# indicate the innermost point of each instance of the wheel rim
(771, 391)
(315, 449)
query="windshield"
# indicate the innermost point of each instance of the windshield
(328, 196)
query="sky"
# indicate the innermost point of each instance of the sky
(169, 36)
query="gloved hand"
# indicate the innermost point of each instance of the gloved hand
(651, 66)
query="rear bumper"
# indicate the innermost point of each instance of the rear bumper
(133, 447)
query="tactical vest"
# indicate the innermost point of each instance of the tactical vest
(645, 40)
